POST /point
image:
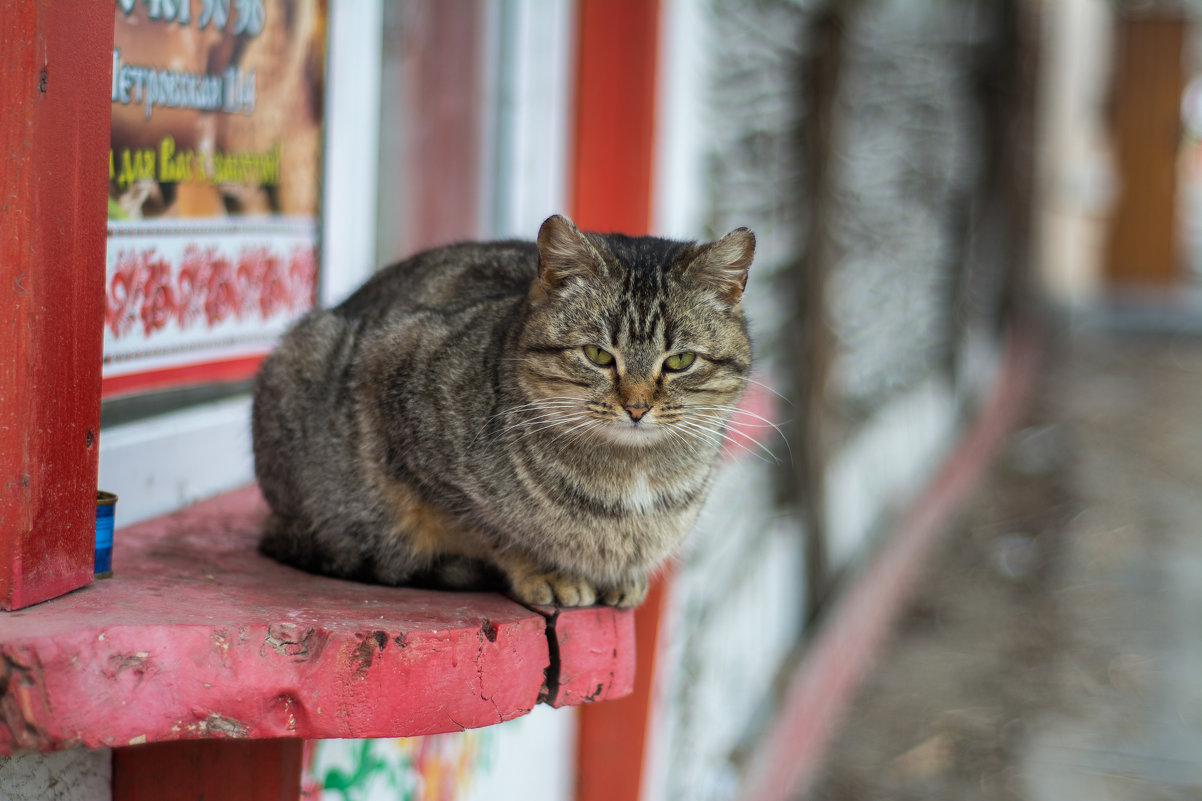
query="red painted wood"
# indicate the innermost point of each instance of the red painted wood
(199, 636)
(615, 114)
(239, 369)
(54, 89)
(258, 770)
(614, 144)
(858, 623)
(592, 648)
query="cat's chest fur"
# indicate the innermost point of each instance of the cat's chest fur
(614, 515)
(639, 496)
(653, 488)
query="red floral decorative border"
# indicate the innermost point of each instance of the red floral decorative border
(207, 287)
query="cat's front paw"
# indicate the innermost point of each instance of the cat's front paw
(560, 589)
(626, 593)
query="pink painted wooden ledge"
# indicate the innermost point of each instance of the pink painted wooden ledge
(199, 636)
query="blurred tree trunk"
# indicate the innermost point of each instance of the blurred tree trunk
(810, 333)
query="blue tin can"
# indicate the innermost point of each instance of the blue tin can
(106, 507)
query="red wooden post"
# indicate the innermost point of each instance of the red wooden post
(54, 89)
(264, 770)
(615, 127)
(615, 114)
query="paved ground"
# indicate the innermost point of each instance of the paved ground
(1053, 652)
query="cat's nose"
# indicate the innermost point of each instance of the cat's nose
(636, 411)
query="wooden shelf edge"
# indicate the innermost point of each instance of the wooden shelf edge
(199, 636)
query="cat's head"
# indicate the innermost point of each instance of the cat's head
(636, 339)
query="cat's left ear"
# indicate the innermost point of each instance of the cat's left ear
(723, 265)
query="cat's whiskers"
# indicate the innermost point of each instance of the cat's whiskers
(681, 438)
(579, 430)
(575, 422)
(763, 449)
(561, 441)
(733, 412)
(547, 415)
(710, 438)
(725, 408)
(545, 423)
(762, 385)
(550, 401)
(723, 434)
(550, 404)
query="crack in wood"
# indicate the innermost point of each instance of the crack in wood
(549, 693)
(481, 637)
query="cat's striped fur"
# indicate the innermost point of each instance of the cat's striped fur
(454, 419)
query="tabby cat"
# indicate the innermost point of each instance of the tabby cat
(546, 414)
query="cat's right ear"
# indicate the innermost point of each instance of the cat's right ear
(564, 255)
(722, 266)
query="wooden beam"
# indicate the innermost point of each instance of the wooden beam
(54, 133)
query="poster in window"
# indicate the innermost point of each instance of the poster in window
(213, 186)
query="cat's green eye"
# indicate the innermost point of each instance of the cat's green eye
(679, 361)
(597, 356)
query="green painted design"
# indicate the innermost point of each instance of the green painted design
(365, 766)
(437, 767)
